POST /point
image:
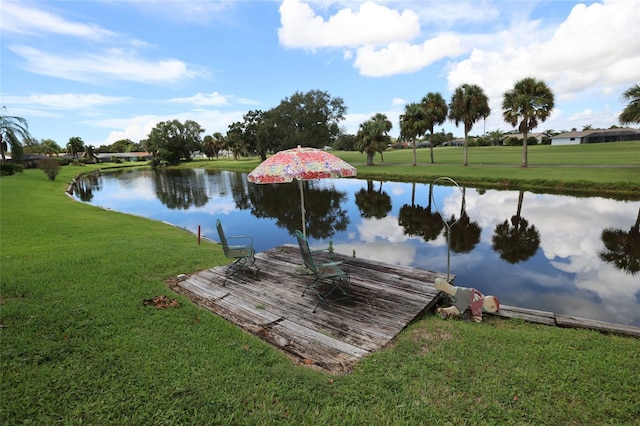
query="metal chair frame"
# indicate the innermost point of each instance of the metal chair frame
(243, 254)
(324, 273)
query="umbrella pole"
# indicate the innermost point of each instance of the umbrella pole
(304, 222)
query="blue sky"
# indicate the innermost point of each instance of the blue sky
(112, 69)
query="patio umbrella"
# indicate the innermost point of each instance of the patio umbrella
(300, 164)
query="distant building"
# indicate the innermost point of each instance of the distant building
(107, 157)
(596, 136)
(538, 136)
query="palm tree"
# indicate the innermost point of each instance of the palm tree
(373, 136)
(496, 137)
(528, 102)
(435, 110)
(468, 105)
(622, 248)
(75, 146)
(12, 129)
(383, 125)
(90, 154)
(516, 242)
(631, 113)
(413, 124)
(49, 147)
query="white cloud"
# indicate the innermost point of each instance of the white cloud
(117, 64)
(138, 127)
(371, 24)
(19, 19)
(213, 98)
(398, 58)
(64, 100)
(596, 45)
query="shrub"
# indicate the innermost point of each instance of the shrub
(7, 169)
(50, 167)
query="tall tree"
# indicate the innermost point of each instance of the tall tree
(49, 147)
(235, 139)
(373, 136)
(90, 154)
(308, 119)
(468, 105)
(413, 124)
(12, 129)
(171, 141)
(528, 102)
(631, 113)
(384, 125)
(435, 110)
(75, 146)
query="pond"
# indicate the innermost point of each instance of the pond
(571, 255)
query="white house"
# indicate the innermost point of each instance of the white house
(596, 136)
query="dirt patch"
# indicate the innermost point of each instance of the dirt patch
(161, 302)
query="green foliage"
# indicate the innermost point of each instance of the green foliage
(12, 129)
(468, 105)
(50, 167)
(373, 136)
(7, 169)
(79, 346)
(173, 141)
(631, 113)
(75, 146)
(122, 145)
(529, 102)
(307, 119)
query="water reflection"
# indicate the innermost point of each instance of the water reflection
(518, 241)
(324, 214)
(465, 233)
(420, 221)
(373, 203)
(181, 189)
(569, 255)
(623, 248)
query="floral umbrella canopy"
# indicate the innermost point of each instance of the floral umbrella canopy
(301, 164)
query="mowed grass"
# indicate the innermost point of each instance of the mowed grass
(79, 347)
(591, 169)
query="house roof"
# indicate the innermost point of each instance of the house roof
(584, 133)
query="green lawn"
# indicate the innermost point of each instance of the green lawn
(79, 347)
(607, 168)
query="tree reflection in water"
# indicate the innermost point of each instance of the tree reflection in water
(324, 216)
(372, 203)
(181, 188)
(465, 234)
(419, 221)
(623, 248)
(518, 241)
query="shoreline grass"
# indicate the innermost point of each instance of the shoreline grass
(610, 169)
(79, 347)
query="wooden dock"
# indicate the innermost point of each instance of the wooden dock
(383, 300)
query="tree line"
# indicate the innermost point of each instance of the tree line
(313, 119)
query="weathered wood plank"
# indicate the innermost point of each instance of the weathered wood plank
(530, 315)
(605, 327)
(383, 300)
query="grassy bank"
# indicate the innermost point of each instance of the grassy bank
(79, 346)
(607, 168)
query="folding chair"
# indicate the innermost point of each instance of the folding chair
(324, 273)
(243, 254)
